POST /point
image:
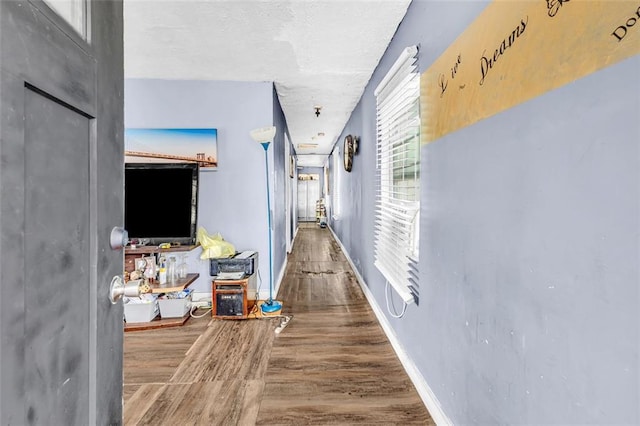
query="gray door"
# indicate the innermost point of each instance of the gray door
(308, 195)
(61, 151)
(302, 200)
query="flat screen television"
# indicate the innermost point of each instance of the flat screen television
(161, 202)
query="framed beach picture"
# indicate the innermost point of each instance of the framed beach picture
(172, 146)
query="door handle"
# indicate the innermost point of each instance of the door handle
(133, 288)
(119, 238)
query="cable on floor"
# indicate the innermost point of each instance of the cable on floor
(194, 308)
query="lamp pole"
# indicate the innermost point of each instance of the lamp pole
(270, 305)
(264, 136)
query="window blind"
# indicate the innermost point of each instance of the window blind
(398, 175)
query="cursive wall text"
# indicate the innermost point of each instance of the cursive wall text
(487, 63)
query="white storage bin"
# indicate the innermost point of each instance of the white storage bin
(140, 312)
(175, 308)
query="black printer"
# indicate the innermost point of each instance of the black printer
(246, 261)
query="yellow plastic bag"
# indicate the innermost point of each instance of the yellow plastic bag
(214, 246)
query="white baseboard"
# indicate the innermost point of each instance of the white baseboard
(280, 277)
(295, 234)
(425, 392)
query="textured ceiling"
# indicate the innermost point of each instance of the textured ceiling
(318, 52)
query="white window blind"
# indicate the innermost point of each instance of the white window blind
(398, 175)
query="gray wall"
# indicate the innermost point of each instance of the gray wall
(529, 245)
(232, 199)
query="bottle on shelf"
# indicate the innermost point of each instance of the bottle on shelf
(183, 267)
(172, 272)
(162, 270)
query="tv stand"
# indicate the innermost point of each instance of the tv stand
(158, 322)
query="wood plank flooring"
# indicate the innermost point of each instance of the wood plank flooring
(331, 365)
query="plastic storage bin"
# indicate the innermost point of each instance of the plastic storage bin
(174, 308)
(140, 312)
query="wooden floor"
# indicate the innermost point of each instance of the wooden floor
(332, 364)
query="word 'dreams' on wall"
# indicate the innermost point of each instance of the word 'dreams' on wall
(486, 63)
(515, 51)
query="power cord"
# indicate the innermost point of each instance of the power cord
(194, 308)
(386, 296)
(254, 311)
(259, 285)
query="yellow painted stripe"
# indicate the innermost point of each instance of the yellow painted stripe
(516, 50)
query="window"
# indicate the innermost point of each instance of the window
(398, 175)
(337, 164)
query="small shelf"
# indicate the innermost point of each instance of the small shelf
(156, 249)
(131, 254)
(156, 323)
(321, 213)
(179, 285)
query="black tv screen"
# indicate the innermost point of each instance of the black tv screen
(161, 202)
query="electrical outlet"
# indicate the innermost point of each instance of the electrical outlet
(283, 323)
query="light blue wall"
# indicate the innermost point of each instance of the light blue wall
(279, 201)
(232, 199)
(355, 224)
(529, 245)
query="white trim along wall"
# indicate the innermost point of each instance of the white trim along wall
(425, 392)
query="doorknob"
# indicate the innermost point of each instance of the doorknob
(133, 288)
(119, 238)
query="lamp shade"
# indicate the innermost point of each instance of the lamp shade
(263, 134)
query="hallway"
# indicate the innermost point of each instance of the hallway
(331, 365)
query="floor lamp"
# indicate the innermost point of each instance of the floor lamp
(264, 136)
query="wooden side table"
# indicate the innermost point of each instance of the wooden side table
(229, 299)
